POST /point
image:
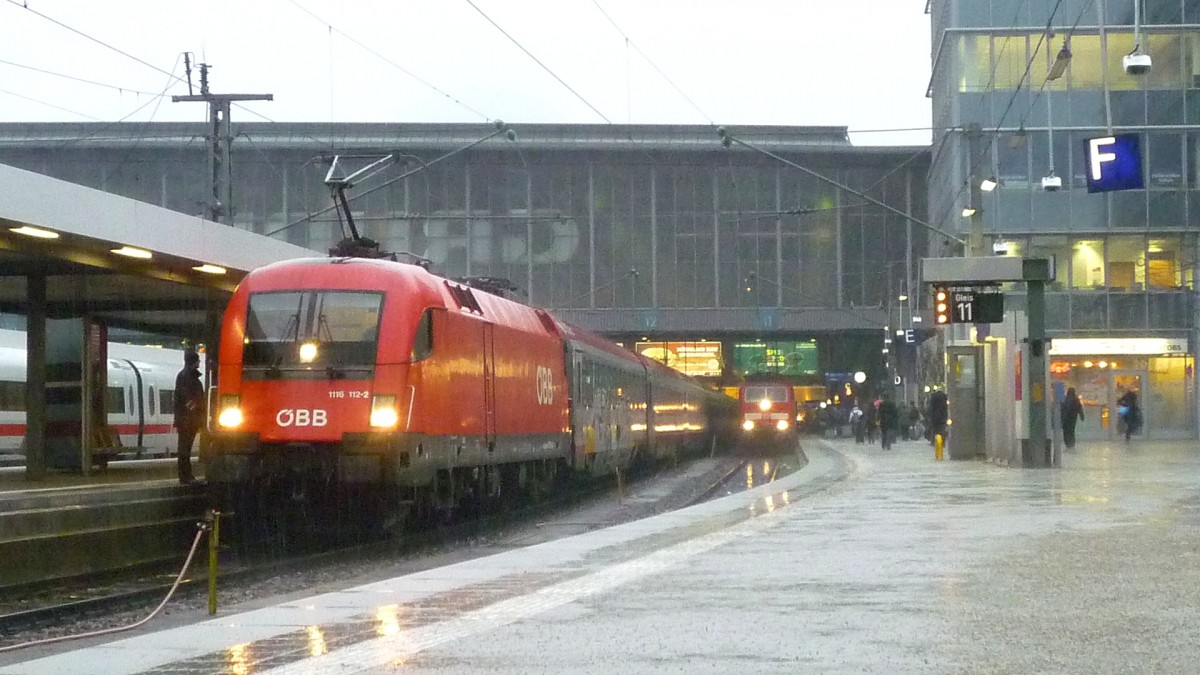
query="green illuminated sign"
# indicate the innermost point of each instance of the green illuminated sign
(776, 358)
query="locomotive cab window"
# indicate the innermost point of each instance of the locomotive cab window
(423, 339)
(312, 334)
(772, 394)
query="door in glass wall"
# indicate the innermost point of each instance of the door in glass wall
(1091, 386)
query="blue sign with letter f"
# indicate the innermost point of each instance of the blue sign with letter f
(1113, 163)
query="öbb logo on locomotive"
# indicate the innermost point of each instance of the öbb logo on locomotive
(545, 386)
(300, 417)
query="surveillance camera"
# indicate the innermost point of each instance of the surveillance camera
(1136, 63)
(1052, 183)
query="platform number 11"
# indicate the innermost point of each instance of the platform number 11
(965, 311)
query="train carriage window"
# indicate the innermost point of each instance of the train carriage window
(150, 400)
(166, 400)
(12, 396)
(114, 402)
(423, 340)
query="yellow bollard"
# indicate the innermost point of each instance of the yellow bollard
(939, 444)
(214, 541)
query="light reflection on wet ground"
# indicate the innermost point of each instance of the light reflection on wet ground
(912, 566)
(906, 565)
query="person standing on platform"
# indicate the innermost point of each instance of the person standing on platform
(1072, 412)
(189, 411)
(939, 415)
(889, 421)
(871, 419)
(857, 424)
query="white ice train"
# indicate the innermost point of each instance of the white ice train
(141, 386)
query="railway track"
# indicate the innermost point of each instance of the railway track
(56, 608)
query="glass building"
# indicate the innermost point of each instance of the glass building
(1018, 88)
(645, 233)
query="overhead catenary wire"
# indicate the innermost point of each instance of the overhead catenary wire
(730, 138)
(501, 130)
(972, 157)
(385, 59)
(25, 6)
(536, 60)
(49, 105)
(77, 79)
(630, 43)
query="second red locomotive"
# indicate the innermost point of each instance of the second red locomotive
(768, 417)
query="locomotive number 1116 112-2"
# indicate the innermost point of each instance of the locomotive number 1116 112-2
(355, 393)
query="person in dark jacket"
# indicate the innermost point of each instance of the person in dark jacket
(889, 421)
(1071, 412)
(189, 411)
(939, 414)
(1130, 413)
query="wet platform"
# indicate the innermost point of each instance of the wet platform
(863, 561)
(13, 476)
(65, 525)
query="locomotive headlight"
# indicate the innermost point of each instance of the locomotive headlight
(308, 352)
(230, 416)
(764, 405)
(748, 425)
(383, 411)
(782, 425)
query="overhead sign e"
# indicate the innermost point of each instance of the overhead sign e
(1113, 163)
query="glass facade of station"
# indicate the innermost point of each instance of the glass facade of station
(1126, 260)
(635, 231)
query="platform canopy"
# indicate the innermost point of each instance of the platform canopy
(124, 262)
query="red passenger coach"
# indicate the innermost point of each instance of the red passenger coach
(357, 385)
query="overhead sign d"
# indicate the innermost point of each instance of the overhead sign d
(1113, 163)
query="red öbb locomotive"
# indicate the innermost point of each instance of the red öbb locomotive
(364, 387)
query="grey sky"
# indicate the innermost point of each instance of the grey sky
(859, 63)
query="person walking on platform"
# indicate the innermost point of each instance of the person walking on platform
(889, 421)
(1072, 412)
(857, 424)
(189, 411)
(1129, 413)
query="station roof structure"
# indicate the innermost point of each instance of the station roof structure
(84, 241)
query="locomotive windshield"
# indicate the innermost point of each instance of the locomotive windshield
(312, 335)
(772, 394)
